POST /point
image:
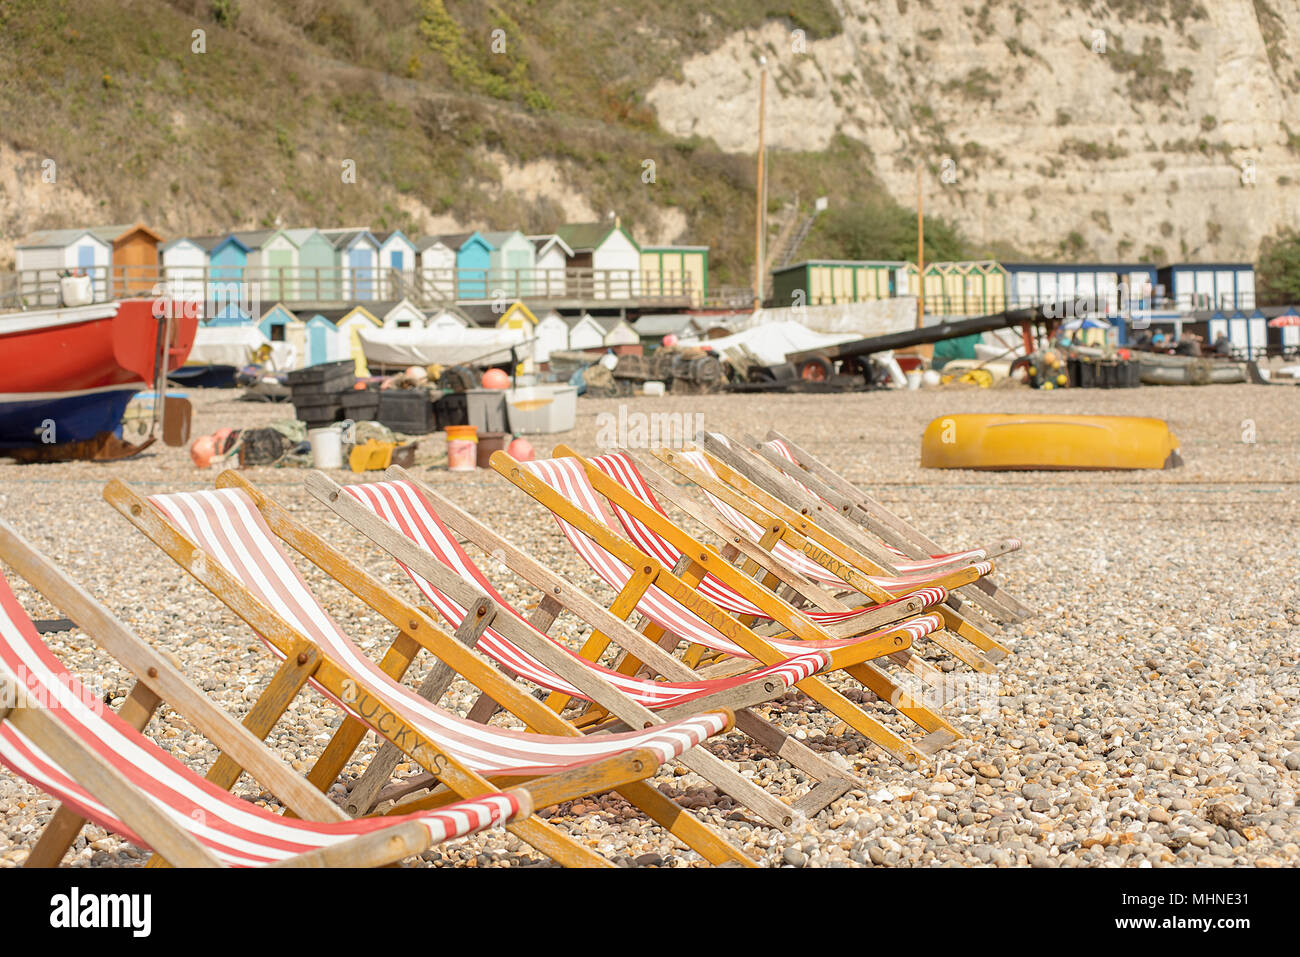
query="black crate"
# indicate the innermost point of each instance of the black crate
(326, 377)
(360, 405)
(406, 410)
(317, 414)
(451, 409)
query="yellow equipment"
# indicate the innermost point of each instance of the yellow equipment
(1033, 442)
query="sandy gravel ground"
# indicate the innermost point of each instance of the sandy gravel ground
(1147, 717)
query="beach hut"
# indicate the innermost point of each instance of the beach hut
(585, 333)
(619, 336)
(501, 315)
(231, 300)
(273, 262)
(437, 269)
(512, 260)
(552, 334)
(551, 261)
(965, 288)
(1209, 286)
(834, 281)
(135, 256)
(398, 314)
(473, 263)
(1107, 288)
(280, 325)
(397, 263)
(676, 271)
(317, 278)
(445, 319)
(40, 257)
(347, 321)
(652, 328)
(606, 261)
(357, 257)
(184, 268)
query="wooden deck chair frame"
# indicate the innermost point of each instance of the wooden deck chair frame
(559, 595)
(802, 533)
(158, 680)
(680, 584)
(625, 773)
(870, 513)
(758, 465)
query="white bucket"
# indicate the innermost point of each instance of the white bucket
(326, 448)
(914, 379)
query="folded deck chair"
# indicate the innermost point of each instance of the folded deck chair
(58, 735)
(222, 539)
(745, 466)
(798, 541)
(677, 610)
(411, 522)
(861, 508)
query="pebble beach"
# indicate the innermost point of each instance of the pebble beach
(1148, 716)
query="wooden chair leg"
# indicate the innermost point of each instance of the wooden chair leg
(61, 833)
(380, 771)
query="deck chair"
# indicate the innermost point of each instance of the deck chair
(861, 508)
(56, 734)
(745, 469)
(419, 528)
(229, 540)
(800, 542)
(677, 609)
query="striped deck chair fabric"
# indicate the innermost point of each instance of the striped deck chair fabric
(907, 564)
(237, 832)
(227, 526)
(566, 476)
(406, 509)
(623, 470)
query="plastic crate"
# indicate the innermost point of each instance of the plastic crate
(406, 410)
(326, 377)
(542, 409)
(451, 409)
(485, 409)
(360, 405)
(317, 414)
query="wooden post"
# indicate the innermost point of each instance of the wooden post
(758, 193)
(920, 254)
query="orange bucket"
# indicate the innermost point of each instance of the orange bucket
(462, 448)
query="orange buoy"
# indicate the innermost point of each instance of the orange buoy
(496, 379)
(521, 450)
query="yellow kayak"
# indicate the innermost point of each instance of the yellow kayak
(1032, 442)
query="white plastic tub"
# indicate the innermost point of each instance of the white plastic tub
(542, 409)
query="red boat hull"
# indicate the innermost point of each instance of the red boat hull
(113, 350)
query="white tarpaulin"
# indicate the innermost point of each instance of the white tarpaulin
(447, 347)
(237, 346)
(877, 317)
(771, 341)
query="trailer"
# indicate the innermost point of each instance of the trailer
(820, 365)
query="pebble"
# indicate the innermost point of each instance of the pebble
(1124, 713)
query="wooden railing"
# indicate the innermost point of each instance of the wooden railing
(261, 287)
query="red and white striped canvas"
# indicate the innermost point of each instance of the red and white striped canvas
(237, 832)
(226, 525)
(567, 477)
(403, 506)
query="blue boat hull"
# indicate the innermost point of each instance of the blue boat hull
(73, 418)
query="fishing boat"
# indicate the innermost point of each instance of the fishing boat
(68, 373)
(1158, 368)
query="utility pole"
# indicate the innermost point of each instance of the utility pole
(920, 254)
(761, 191)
